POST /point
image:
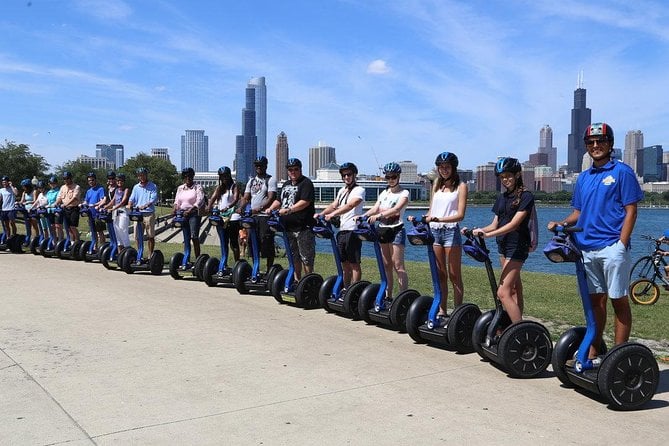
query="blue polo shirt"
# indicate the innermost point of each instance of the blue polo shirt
(94, 194)
(601, 194)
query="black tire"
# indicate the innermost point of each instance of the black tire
(198, 267)
(565, 348)
(417, 315)
(269, 277)
(399, 309)
(156, 262)
(60, 246)
(120, 258)
(104, 256)
(34, 246)
(278, 285)
(628, 376)
(644, 292)
(306, 293)
(128, 257)
(642, 269)
(241, 274)
(325, 292)
(210, 270)
(460, 327)
(15, 243)
(526, 349)
(479, 332)
(175, 264)
(83, 250)
(75, 250)
(367, 300)
(351, 299)
(43, 248)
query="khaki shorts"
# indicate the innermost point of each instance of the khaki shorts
(149, 222)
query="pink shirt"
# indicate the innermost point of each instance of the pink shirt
(188, 197)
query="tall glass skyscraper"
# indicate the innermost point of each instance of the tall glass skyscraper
(112, 152)
(580, 120)
(246, 143)
(195, 150)
(546, 146)
(633, 143)
(281, 157)
(258, 84)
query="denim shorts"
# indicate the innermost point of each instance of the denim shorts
(514, 250)
(608, 270)
(447, 237)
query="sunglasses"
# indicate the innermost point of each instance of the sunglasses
(599, 141)
(391, 177)
(293, 169)
(347, 174)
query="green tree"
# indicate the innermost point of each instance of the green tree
(18, 163)
(80, 172)
(161, 172)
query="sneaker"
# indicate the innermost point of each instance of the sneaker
(442, 320)
(596, 362)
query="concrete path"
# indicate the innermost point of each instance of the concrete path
(90, 356)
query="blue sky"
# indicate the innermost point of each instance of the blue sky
(379, 80)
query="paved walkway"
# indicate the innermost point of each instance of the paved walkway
(90, 356)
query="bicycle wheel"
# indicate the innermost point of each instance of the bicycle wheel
(642, 269)
(644, 292)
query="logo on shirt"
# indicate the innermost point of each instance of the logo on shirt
(608, 181)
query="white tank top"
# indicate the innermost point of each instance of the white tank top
(444, 204)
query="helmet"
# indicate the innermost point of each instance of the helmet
(447, 157)
(41, 184)
(141, 170)
(224, 170)
(293, 162)
(53, 179)
(5, 178)
(188, 172)
(67, 174)
(561, 249)
(392, 168)
(348, 166)
(25, 182)
(120, 176)
(260, 161)
(599, 129)
(91, 175)
(111, 174)
(507, 164)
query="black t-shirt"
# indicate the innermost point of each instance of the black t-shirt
(505, 210)
(291, 194)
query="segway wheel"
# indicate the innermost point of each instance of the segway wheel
(460, 327)
(367, 300)
(628, 376)
(352, 297)
(210, 269)
(43, 247)
(75, 250)
(400, 308)
(34, 245)
(526, 349)
(198, 267)
(479, 332)
(416, 316)
(60, 246)
(325, 292)
(175, 264)
(16, 243)
(241, 274)
(278, 284)
(565, 348)
(128, 257)
(83, 250)
(104, 256)
(644, 292)
(306, 293)
(156, 262)
(271, 274)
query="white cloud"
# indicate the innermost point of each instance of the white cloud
(378, 66)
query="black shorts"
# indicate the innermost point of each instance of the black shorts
(232, 231)
(100, 225)
(72, 215)
(517, 251)
(349, 246)
(265, 237)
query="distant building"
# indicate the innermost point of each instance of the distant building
(546, 147)
(409, 171)
(580, 120)
(96, 162)
(160, 152)
(258, 85)
(246, 144)
(486, 180)
(282, 156)
(195, 150)
(328, 173)
(113, 152)
(653, 168)
(633, 143)
(319, 156)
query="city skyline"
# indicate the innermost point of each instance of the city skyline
(474, 78)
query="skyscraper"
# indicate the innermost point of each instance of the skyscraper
(319, 156)
(160, 152)
(113, 153)
(580, 120)
(258, 84)
(195, 150)
(633, 143)
(546, 146)
(281, 156)
(246, 144)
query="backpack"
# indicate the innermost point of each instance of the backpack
(533, 226)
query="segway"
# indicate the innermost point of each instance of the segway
(48, 246)
(88, 251)
(132, 260)
(180, 261)
(217, 272)
(35, 242)
(333, 296)
(26, 215)
(626, 376)
(422, 324)
(373, 306)
(13, 243)
(248, 278)
(285, 289)
(523, 349)
(67, 249)
(109, 252)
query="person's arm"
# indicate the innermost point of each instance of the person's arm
(246, 198)
(487, 229)
(350, 205)
(628, 223)
(215, 196)
(569, 221)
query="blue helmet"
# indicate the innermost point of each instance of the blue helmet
(188, 172)
(447, 157)
(40, 184)
(507, 164)
(392, 168)
(143, 170)
(4, 178)
(224, 170)
(111, 174)
(67, 174)
(348, 166)
(293, 162)
(25, 182)
(53, 179)
(260, 161)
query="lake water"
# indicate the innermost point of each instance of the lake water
(649, 222)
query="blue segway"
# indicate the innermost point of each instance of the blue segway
(26, 215)
(48, 246)
(132, 260)
(109, 253)
(523, 349)
(373, 306)
(285, 289)
(180, 261)
(217, 272)
(13, 243)
(67, 249)
(422, 324)
(333, 296)
(627, 376)
(88, 251)
(35, 242)
(248, 278)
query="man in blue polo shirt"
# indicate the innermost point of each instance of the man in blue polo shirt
(95, 197)
(144, 197)
(605, 207)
